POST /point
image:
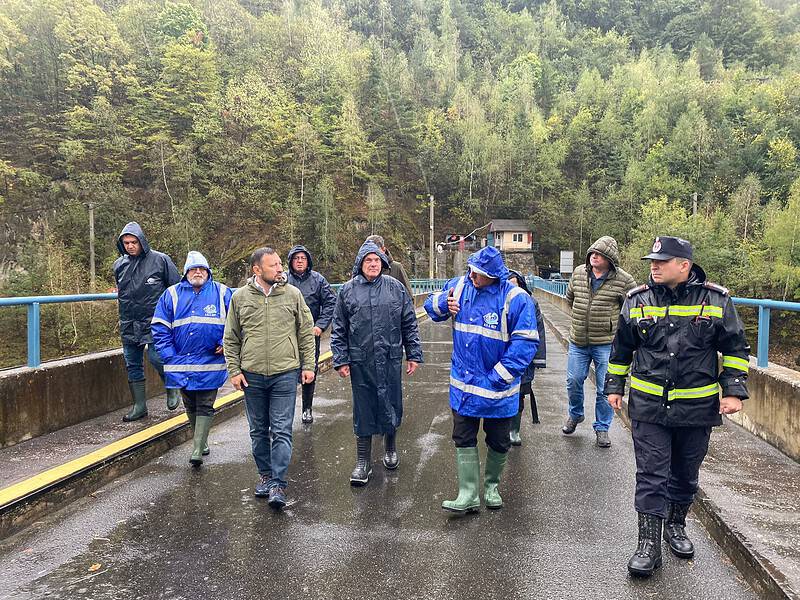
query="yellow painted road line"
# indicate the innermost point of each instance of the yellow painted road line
(33, 484)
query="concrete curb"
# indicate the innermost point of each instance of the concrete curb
(764, 577)
(25, 502)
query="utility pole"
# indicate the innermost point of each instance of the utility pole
(430, 250)
(91, 248)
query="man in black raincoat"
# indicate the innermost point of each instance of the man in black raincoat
(320, 300)
(373, 321)
(141, 275)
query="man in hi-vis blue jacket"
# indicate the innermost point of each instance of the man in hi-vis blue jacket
(494, 341)
(187, 328)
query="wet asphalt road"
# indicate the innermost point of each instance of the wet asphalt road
(166, 531)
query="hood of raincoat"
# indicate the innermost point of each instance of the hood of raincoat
(519, 277)
(607, 246)
(294, 251)
(488, 261)
(195, 259)
(368, 248)
(133, 228)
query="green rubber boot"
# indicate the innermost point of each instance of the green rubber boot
(192, 417)
(469, 474)
(201, 429)
(139, 409)
(516, 421)
(495, 463)
(173, 398)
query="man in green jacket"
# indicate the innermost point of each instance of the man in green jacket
(596, 292)
(268, 338)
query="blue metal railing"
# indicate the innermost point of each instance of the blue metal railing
(420, 286)
(33, 304)
(764, 308)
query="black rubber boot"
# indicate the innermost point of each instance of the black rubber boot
(534, 409)
(390, 458)
(361, 474)
(675, 531)
(308, 400)
(647, 557)
(139, 409)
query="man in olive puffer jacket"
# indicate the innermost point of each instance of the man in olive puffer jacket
(596, 292)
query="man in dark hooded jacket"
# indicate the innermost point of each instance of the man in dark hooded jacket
(320, 300)
(141, 275)
(373, 321)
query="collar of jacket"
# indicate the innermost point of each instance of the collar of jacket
(361, 279)
(303, 276)
(277, 287)
(681, 290)
(183, 284)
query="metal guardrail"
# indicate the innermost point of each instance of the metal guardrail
(764, 309)
(420, 286)
(34, 303)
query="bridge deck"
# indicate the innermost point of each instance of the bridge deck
(167, 531)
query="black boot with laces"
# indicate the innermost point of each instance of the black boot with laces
(647, 557)
(675, 531)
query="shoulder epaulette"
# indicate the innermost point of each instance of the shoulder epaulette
(716, 287)
(638, 290)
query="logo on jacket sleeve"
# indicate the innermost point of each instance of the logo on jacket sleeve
(210, 310)
(491, 319)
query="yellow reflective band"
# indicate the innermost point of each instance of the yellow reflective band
(677, 310)
(695, 310)
(644, 312)
(618, 369)
(646, 387)
(735, 363)
(698, 392)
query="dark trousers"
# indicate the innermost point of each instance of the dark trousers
(308, 388)
(465, 432)
(668, 463)
(199, 402)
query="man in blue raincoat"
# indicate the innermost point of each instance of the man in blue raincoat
(187, 327)
(373, 322)
(494, 340)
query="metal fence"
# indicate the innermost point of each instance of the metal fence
(33, 304)
(764, 308)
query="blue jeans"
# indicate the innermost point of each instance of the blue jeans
(134, 360)
(269, 402)
(578, 361)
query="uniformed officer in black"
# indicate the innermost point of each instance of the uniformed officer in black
(669, 333)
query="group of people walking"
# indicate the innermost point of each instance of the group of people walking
(265, 336)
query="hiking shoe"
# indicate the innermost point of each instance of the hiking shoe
(570, 424)
(277, 498)
(261, 487)
(602, 439)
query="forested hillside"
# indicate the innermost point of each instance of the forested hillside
(224, 125)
